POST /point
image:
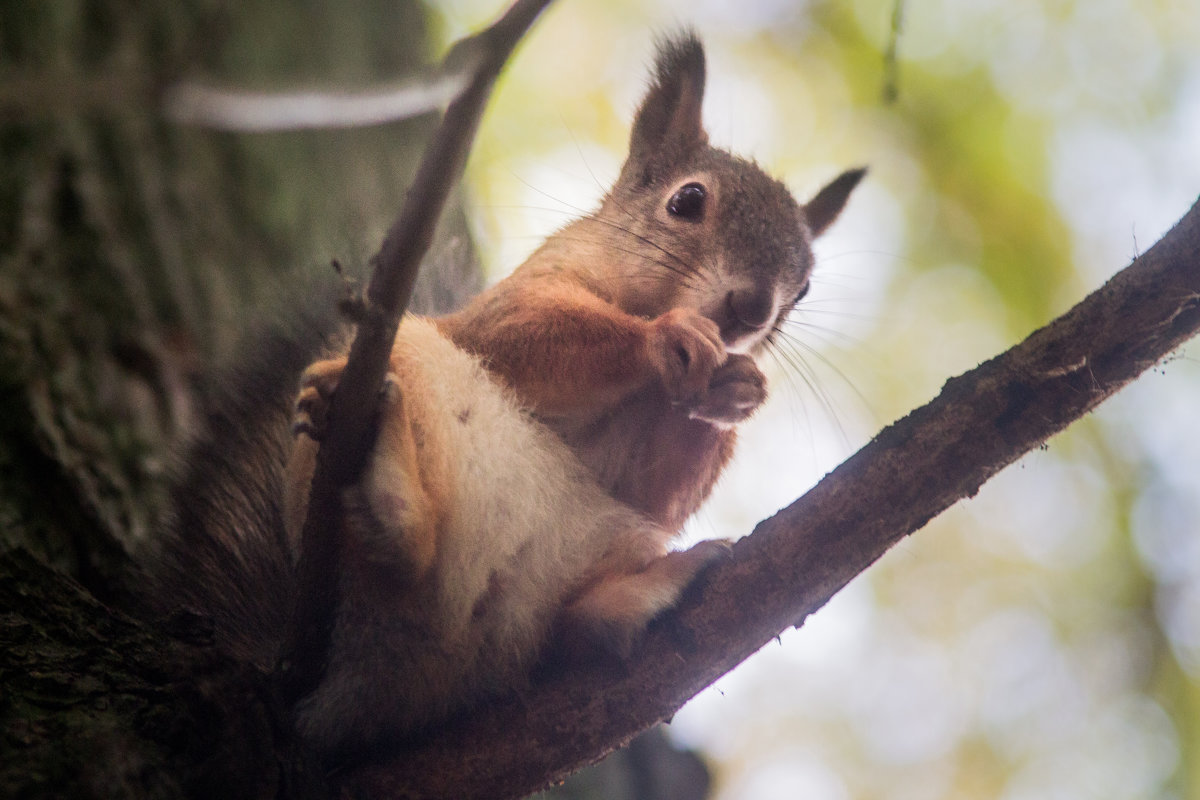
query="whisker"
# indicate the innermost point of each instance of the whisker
(686, 267)
(687, 279)
(602, 186)
(825, 400)
(797, 349)
(826, 314)
(790, 372)
(826, 334)
(615, 201)
(683, 269)
(826, 258)
(573, 209)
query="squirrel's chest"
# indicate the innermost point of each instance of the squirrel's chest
(651, 455)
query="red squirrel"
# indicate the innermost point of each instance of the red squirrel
(537, 450)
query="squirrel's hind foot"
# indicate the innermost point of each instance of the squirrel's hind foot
(614, 612)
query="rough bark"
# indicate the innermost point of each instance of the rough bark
(132, 253)
(96, 705)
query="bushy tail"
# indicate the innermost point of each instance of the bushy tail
(223, 553)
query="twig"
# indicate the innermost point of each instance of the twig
(796, 561)
(239, 110)
(352, 408)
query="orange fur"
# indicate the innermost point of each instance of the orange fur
(580, 361)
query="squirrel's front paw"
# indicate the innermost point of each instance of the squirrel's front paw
(317, 385)
(685, 349)
(735, 391)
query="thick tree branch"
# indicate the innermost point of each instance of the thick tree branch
(795, 561)
(353, 406)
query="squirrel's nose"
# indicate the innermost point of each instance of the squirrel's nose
(747, 317)
(753, 308)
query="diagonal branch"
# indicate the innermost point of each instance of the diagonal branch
(795, 561)
(354, 403)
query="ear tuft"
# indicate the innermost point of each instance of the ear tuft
(679, 57)
(823, 209)
(668, 123)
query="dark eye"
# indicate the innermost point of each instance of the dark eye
(800, 294)
(688, 202)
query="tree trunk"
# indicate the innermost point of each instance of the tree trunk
(133, 249)
(132, 253)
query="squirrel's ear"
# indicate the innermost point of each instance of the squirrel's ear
(667, 125)
(823, 209)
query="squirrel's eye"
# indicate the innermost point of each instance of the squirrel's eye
(688, 202)
(800, 294)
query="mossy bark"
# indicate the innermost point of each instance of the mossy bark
(132, 250)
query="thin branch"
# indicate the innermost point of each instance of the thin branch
(238, 110)
(34, 95)
(352, 407)
(797, 560)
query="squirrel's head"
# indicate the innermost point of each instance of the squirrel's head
(696, 226)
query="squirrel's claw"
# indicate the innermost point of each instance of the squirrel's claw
(317, 385)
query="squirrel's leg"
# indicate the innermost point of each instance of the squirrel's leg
(567, 351)
(616, 609)
(389, 511)
(401, 515)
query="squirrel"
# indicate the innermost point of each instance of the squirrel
(536, 450)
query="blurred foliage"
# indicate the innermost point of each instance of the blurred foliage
(1043, 639)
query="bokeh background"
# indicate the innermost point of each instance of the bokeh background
(1043, 639)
